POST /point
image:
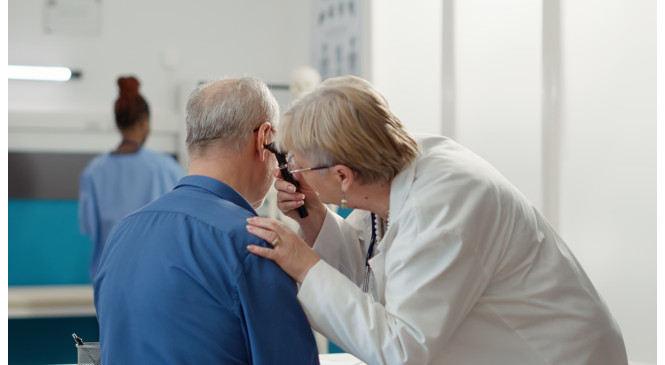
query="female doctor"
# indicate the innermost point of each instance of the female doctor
(442, 261)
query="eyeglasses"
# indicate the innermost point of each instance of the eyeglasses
(309, 169)
(291, 170)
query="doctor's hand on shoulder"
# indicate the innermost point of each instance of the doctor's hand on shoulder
(289, 251)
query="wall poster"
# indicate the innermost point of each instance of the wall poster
(337, 37)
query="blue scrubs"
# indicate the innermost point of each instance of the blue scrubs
(177, 285)
(114, 185)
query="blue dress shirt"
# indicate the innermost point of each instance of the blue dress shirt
(177, 285)
(114, 185)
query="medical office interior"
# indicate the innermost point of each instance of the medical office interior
(559, 95)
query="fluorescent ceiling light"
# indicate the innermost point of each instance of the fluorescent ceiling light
(43, 73)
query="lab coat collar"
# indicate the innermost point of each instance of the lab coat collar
(218, 188)
(400, 187)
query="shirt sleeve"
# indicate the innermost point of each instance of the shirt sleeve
(87, 208)
(430, 286)
(277, 329)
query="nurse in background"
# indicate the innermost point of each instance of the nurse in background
(119, 182)
(443, 261)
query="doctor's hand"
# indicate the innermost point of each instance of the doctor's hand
(288, 201)
(290, 252)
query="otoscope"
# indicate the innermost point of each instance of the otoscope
(286, 175)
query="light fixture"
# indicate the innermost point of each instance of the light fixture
(41, 73)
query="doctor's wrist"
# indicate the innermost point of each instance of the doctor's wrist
(302, 275)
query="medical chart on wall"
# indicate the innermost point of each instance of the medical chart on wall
(73, 17)
(337, 37)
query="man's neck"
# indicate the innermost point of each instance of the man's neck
(228, 172)
(230, 167)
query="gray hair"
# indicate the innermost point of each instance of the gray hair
(228, 110)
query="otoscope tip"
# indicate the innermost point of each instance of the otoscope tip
(271, 147)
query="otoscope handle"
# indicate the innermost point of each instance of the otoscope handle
(302, 212)
(286, 175)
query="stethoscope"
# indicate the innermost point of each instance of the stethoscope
(370, 252)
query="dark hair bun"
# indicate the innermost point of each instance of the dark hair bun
(129, 87)
(130, 106)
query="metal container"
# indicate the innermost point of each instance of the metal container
(88, 354)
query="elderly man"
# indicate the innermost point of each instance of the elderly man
(176, 284)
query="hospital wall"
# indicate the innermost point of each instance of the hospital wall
(558, 95)
(608, 157)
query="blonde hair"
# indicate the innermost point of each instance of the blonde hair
(346, 121)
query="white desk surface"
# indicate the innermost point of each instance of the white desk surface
(325, 359)
(50, 301)
(339, 359)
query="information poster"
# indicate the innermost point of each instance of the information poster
(337, 37)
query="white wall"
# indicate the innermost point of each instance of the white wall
(608, 161)
(605, 171)
(204, 39)
(497, 57)
(405, 60)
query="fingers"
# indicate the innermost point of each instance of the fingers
(289, 251)
(287, 202)
(270, 230)
(265, 229)
(266, 223)
(265, 252)
(284, 186)
(285, 197)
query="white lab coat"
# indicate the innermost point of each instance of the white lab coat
(468, 272)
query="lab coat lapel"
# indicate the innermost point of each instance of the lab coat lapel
(399, 192)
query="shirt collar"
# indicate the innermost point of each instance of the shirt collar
(218, 188)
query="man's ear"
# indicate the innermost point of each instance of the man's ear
(344, 175)
(263, 137)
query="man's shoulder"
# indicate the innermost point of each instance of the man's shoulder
(198, 208)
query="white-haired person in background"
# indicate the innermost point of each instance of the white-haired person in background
(442, 261)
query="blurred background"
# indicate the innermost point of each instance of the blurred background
(559, 95)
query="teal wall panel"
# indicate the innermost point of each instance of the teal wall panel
(38, 341)
(45, 246)
(334, 349)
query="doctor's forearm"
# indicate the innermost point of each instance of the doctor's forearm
(342, 312)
